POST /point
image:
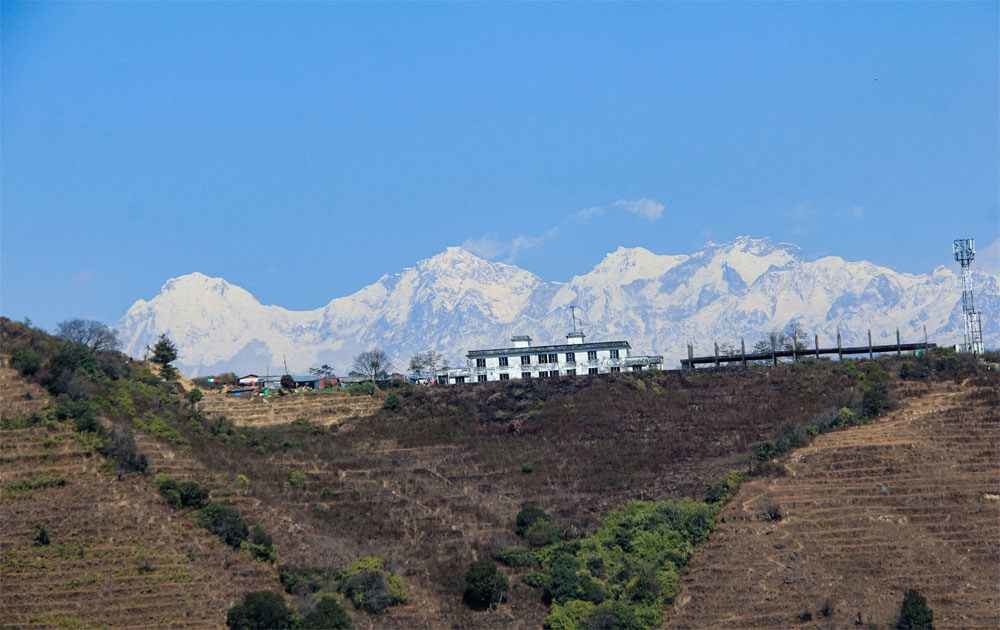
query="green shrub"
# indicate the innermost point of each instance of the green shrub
(915, 614)
(527, 468)
(722, 490)
(542, 532)
(614, 615)
(38, 482)
(536, 579)
(371, 587)
(628, 569)
(305, 580)
(485, 585)
(182, 494)
(225, 522)
(517, 557)
(296, 478)
(81, 412)
(328, 614)
(529, 513)
(122, 448)
(260, 610)
(563, 582)
(391, 402)
(41, 537)
(568, 616)
(26, 361)
(361, 389)
(260, 545)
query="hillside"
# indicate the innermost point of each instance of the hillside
(911, 501)
(421, 489)
(437, 483)
(118, 555)
(456, 301)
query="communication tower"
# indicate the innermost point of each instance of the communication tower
(965, 253)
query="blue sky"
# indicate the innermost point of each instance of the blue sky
(302, 150)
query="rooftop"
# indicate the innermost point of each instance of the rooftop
(562, 347)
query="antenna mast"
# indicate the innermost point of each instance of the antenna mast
(965, 253)
(572, 312)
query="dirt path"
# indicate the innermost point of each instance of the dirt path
(909, 501)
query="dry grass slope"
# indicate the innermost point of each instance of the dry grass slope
(910, 501)
(323, 408)
(118, 555)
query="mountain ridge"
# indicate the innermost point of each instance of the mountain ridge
(455, 300)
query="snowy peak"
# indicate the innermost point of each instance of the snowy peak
(628, 264)
(456, 300)
(750, 257)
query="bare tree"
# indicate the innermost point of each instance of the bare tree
(323, 371)
(425, 363)
(372, 363)
(795, 337)
(90, 333)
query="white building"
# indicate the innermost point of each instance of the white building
(522, 360)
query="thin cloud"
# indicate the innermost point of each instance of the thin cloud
(649, 209)
(487, 246)
(492, 248)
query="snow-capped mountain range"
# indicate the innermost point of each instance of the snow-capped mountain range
(456, 301)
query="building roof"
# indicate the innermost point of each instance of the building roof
(562, 347)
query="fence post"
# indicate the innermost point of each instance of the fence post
(840, 351)
(743, 352)
(871, 355)
(774, 357)
(816, 341)
(899, 349)
(690, 357)
(716, 354)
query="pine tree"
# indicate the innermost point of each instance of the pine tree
(164, 352)
(915, 614)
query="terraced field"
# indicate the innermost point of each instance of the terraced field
(437, 484)
(323, 408)
(117, 556)
(910, 501)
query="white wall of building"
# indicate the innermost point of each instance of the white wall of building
(541, 365)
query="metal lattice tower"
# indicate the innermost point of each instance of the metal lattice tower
(965, 253)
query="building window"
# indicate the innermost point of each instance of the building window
(570, 372)
(543, 375)
(459, 380)
(525, 375)
(592, 355)
(481, 378)
(543, 358)
(525, 359)
(480, 363)
(616, 370)
(637, 368)
(553, 358)
(442, 380)
(570, 357)
(592, 371)
(614, 354)
(505, 376)
(503, 361)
